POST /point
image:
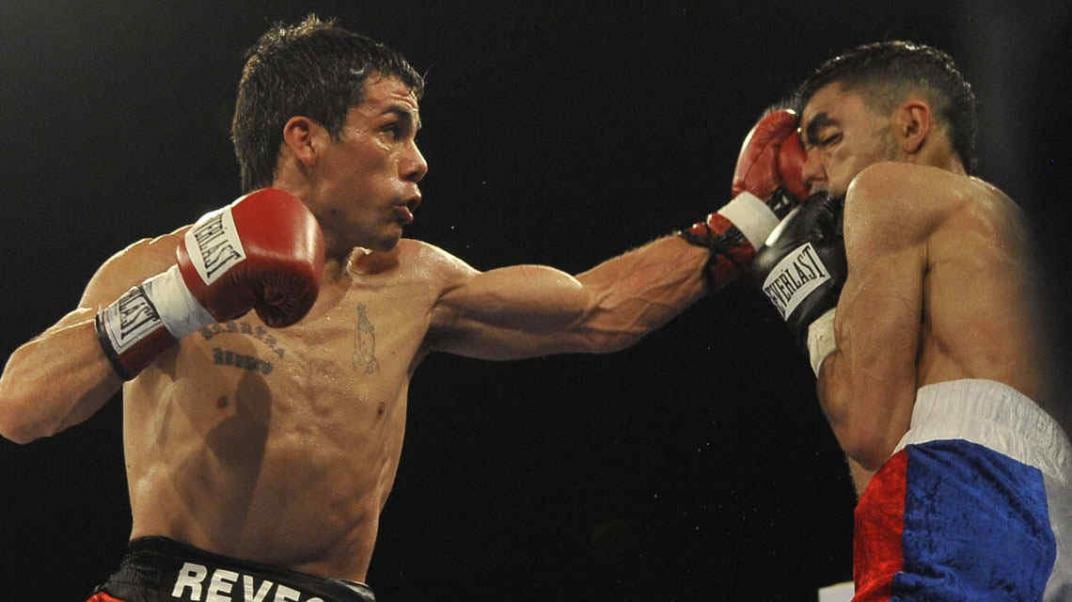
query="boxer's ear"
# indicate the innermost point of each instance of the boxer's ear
(912, 124)
(303, 138)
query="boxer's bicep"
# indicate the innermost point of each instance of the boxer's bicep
(877, 331)
(508, 313)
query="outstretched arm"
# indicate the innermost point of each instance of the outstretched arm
(526, 311)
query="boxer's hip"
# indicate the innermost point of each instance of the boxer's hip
(993, 415)
(975, 503)
(158, 568)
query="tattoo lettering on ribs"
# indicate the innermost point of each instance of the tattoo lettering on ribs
(365, 342)
(258, 332)
(226, 357)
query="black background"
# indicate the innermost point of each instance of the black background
(695, 466)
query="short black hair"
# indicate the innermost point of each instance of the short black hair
(888, 70)
(313, 68)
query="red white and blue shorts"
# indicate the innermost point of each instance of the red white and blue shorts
(974, 504)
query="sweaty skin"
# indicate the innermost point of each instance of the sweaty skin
(281, 446)
(941, 283)
(939, 289)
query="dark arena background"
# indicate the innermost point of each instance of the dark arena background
(694, 466)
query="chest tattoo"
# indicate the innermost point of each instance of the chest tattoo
(364, 342)
(226, 357)
(260, 333)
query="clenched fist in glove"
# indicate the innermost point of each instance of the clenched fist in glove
(767, 183)
(263, 252)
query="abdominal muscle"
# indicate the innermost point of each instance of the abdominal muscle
(288, 464)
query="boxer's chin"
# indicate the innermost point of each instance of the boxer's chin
(382, 239)
(388, 241)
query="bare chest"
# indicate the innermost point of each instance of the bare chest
(361, 348)
(270, 444)
(339, 375)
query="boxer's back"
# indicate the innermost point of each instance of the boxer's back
(981, 292)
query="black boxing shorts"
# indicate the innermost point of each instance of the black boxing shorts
(158, 569)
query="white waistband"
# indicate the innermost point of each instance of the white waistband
(994, 415)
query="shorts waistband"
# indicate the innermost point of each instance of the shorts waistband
(185, 569)
(994, 415)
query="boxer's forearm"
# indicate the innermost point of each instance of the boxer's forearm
(860, 476)
(867, 411)
(638, 292)
(843, 411)
(835, 406)
(834, 398)
(55, 381)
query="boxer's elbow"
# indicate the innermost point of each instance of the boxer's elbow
(24, 410)
(867, 437)
(19, 437)
(17, 423)
(859, 434)
(855, 438)
(868, 452)
(868, 411)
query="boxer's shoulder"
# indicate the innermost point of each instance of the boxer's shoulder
(437, 264)
(136, 262)
(907, 200)
(148, 249)
(912, 187)
(891, 204)
(430, 269)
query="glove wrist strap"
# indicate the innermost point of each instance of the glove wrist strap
(749, 214)
(146, 320)
(179, 310)
(821, 341)
(732, 234)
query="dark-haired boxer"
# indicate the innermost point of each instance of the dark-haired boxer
(933, 367)
(259, 459)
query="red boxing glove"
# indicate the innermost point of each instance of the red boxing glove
(767, 182)
(264, 252)
(772, 159)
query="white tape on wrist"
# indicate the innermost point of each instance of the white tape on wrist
(179, 310)
(821, 341)
(751, 216)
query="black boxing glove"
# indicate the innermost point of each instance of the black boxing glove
(801, 268)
